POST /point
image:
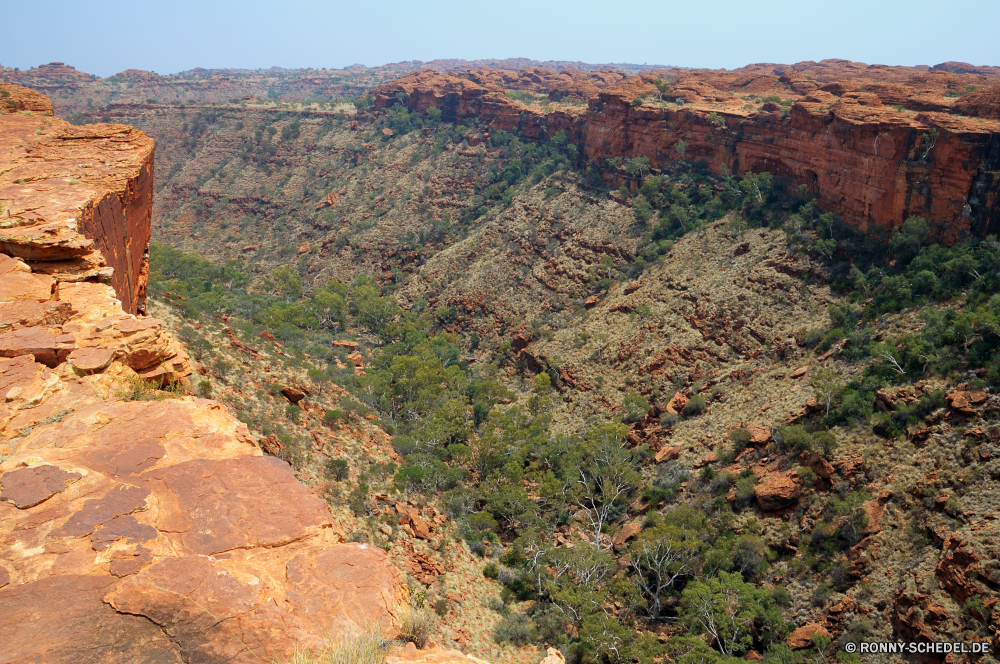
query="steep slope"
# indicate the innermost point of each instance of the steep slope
(138, 524)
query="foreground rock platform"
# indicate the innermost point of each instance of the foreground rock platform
(138, 525)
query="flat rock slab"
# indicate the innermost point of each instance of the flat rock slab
(17, 372)
(91, 360)
(36, 341)
(124, 458)
(344, 583)
(121, 500)
(27, 487)
(235, 503)
(189, 597)
(28, 313)
(64, 620)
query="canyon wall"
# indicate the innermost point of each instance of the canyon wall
(872, 163)
(138, 525)
(76, 202)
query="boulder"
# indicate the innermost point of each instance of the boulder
(676, 403)
(817, 464)
(293, 395)
(91, 360)
(760, 435)
(802, 636)
(553, 656)
(778, 491)
(668, 453)
(627, 532)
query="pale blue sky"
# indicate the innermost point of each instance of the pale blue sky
(104, 38)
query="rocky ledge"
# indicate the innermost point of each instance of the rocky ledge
(137, 525)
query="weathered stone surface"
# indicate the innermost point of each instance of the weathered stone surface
(44, 344)
(409, 654)
(668, 453)
(759, 434)
(250, 502)
(14, 315)
(27, 487)
(91, 360)
(77, 193)
(293, 395)
(778, 491)
(676, 403)
(345, 585)
(17, 283)
(14, 99)
(123, 499)
(63, 620)
(817, 464)
(802, 636)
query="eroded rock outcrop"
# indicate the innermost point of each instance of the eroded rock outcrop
(851, 142)
(75, 202)
(136, 525)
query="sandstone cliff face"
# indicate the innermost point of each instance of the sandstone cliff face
(874, 164)
(134, 529)
(75, 202)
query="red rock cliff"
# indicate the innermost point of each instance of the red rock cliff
(76, 202)
(874, 164)
(137, 530)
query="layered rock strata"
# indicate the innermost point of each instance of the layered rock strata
(875, 153)
(137, 525)
(75, 202)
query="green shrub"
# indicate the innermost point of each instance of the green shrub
(746, 491)
(333, 416)
(337, 469)
(696, 406)
(515, 628)
(669, 420)
(793, 439)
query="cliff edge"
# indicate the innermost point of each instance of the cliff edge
(874, 152)
(135, 525)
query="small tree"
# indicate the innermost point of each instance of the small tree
(728, 608)
(660, 556)
(827, 386)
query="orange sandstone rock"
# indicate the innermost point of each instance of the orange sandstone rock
(138, 530)
(77, 200)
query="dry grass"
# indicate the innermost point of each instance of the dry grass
(361, 647)
(134, 388)
(416, 626)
